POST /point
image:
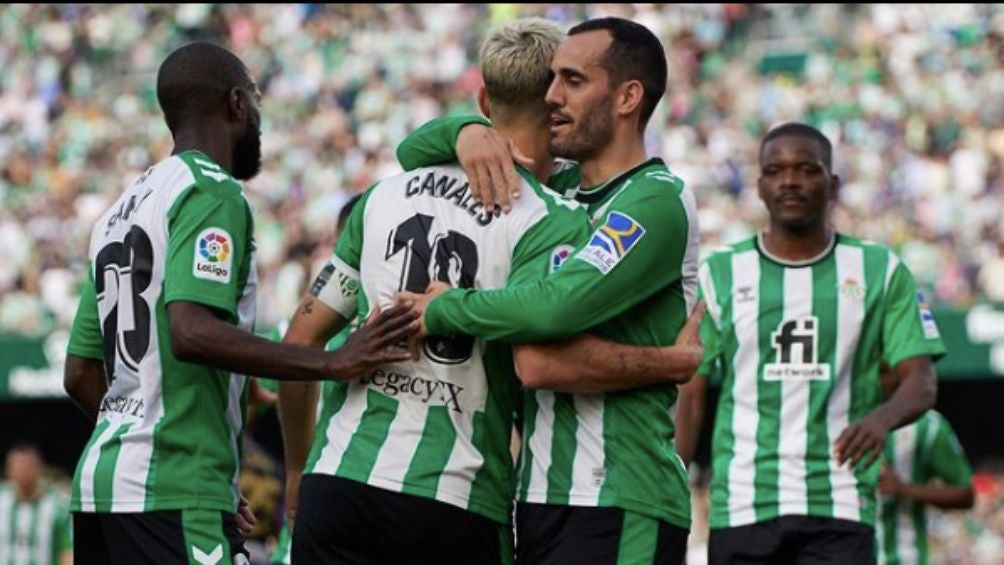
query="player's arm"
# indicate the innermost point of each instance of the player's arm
(330, 305)
(602, 280)
(84, 373)
(202, 306)
(690, 404)
(435, 142)
(910, 344)
(590, 364)
(486, 156)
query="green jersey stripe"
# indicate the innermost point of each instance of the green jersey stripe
(742, 473)
(89, 462)
(431, 454)
(338, 435)
(104, 471)
(332, 399)
(772, 291)
(359, 456)
(563, 450)
(526, 459)
(85, 464)
(819, 496)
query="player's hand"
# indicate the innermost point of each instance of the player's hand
(487, 157)
(689, 339)
(246, 520)
(420, 302)
(862, 441)
(379, 342)
(292, 497)
(889, 483)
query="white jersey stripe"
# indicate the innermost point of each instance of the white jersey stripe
(22, 531)
(43, 541)
(793, 437)
(341, 429)
(906, 535)
(399, 448)
(6, 506)
(589, 461)
(540, 445)
(745, 415)
(850, 319)
(91, 463)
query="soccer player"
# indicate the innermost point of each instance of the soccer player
(35, 519)
(799, 319)
(916, 456)
(162, 336)
(600, 481)
(430, 439)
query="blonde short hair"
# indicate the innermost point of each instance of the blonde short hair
(516, 61)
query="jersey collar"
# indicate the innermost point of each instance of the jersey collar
(600, 191)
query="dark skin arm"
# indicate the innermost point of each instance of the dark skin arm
(943, 496)
(862, 441)
(84, 380)
(199, 336)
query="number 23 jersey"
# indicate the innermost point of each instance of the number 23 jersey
(438, 427)
(167, 431)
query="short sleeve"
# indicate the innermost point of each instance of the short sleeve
(209, 250)
(85, 336)
(908, 328)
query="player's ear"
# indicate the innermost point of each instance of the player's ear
(483, 102)
(238, 104)
(834, 187)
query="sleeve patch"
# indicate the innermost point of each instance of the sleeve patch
(341, 295)
(612, 242)
(927, 318)
(560, 254)
(214, 255)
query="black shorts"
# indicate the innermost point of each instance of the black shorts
(343, 521)
(794, 540)
(169, 536)
(572, 535)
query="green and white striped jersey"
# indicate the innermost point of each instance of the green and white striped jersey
(167, 435)
(800, 346)
(920, 452)
(438, 427)
(36, 532)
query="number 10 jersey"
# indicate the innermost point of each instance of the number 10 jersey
(167, 431)
(438, 427)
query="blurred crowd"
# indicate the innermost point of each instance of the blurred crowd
(910, 95)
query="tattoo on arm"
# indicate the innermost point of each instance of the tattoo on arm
(308, 308)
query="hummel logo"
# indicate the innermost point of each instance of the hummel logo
(745, 294)
(211, 558)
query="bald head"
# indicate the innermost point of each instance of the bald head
(194, 81)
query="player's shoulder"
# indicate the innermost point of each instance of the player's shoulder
(655, 175)
(724, 253)
(205, 175)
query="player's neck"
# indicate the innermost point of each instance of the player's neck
(616, 157)
(797, 246)
(208, 141)
(535, 143)
(27, 493)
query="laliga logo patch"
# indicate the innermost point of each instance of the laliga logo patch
(213, 255)
(612, 241)
(560, 255)
(927, 318)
